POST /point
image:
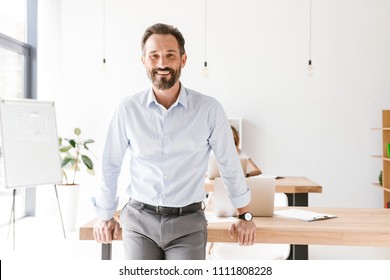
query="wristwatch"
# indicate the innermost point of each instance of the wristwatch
(247, 216)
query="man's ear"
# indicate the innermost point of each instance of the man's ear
(183, 60)
(143, 60)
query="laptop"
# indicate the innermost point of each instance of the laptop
(262, 197)
(213, 170)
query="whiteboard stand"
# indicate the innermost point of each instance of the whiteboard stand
(12, 216)
(59, 209)
(12, 219)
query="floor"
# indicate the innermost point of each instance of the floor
(33, 237)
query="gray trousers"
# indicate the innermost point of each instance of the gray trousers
(148, 235)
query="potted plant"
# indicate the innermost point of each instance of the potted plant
(74, 153)
(76, 156)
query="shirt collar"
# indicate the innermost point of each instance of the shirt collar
(182, 99)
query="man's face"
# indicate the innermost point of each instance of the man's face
(162, 60)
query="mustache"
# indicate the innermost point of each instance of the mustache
(163, 69)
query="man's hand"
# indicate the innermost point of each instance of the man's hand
(246, 232)
(103, 231)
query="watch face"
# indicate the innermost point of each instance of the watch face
(248, 216)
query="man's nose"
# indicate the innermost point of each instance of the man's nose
(162, 62)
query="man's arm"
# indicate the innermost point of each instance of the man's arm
(246, 230)
(106, 200)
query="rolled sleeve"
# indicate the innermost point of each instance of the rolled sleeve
(241, 200)
(103, 213)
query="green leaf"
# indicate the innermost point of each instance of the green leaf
(60, 141)
(64, 149)
(91, 171)
(72, 142)
(87, 161)
(67, 160)
(77, 131)
(88, 141)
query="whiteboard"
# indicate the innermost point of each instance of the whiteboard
(29, 143)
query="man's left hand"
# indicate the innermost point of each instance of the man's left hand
(246, 232)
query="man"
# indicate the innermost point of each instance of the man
(169, 131)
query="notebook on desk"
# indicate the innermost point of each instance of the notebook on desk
(262, 194)
(213, 170)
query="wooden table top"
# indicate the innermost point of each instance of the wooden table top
(288, 184)
(353, 226)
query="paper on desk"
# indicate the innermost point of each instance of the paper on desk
(303, 215)
(212, 218)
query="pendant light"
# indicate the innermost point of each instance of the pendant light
(309, 68)
(205, 70)
(104, 61)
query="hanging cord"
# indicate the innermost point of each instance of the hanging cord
(104, 32)
(205, 33)
(310, 12)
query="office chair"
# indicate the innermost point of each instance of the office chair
(259, 251)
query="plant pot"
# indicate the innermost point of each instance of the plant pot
(68, 196)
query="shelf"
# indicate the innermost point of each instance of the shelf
(377, 185)
(381, 157)
(381, 128)
(385, 172)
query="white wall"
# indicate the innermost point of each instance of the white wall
(319, 127)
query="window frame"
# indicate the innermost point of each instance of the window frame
(21, 48)
(29, 51)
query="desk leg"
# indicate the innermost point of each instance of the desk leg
(298, 199)
(298, 252)
(106, 251)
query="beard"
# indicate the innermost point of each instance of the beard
(163, 83)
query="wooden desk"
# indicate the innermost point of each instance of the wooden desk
(296, 188)
(354, 227)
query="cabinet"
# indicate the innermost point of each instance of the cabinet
(385, 157)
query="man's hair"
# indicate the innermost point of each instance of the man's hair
(236, 137)
(164, 29)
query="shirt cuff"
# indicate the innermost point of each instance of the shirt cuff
(241, 200)
(105, 214)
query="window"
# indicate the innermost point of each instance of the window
(13, 70)
(15, 82)
(13, 19)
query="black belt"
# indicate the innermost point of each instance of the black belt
(164, 210)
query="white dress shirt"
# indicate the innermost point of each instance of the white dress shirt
(169, 151)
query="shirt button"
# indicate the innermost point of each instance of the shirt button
(165, 176)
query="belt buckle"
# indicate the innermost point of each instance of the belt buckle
(162, 210)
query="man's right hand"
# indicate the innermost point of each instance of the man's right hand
(104, 231)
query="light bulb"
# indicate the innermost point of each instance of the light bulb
(309, 69)
(205, 70)
(104, 65)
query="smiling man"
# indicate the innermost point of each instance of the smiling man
(169, 131)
